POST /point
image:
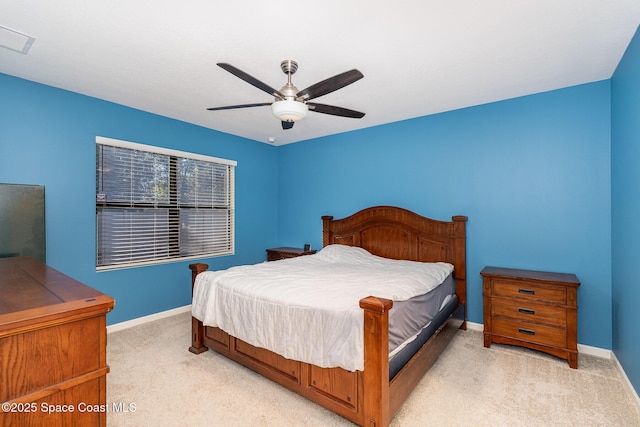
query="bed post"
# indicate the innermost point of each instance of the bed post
(326, 230)
(376, 361)
(197, 328)
(460, 262)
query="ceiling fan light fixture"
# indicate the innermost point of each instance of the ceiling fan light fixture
(289, 111)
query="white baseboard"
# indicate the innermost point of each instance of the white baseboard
(595, 351)
(626, 379)
(475, 326)
(145, 319)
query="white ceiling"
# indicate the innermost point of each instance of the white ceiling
(418, 57)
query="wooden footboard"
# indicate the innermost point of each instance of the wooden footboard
(367, 397)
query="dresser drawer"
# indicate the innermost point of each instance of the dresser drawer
(530, 332)
(529, 290)
(529, 312)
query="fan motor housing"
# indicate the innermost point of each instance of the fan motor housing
(289, 66)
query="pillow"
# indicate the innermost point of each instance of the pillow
(344, 253)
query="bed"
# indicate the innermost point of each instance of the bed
(369, 396)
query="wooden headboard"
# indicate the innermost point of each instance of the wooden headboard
(398, 233)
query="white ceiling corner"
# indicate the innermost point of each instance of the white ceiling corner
(418, 57)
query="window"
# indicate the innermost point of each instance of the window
(155, 205)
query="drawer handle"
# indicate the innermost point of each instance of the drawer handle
(526, 311)
(527, 291)
(526, 331)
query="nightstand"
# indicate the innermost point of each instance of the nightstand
(533, 309)
(275, 254)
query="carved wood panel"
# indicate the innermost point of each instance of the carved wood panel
(336, 383)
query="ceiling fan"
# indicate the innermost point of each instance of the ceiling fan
(291, 104)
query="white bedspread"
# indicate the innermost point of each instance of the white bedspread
(285, 305)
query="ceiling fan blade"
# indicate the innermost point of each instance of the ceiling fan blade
(335, 111)
(251, 80)
(232, 107)
(287, 125)
(329, 85)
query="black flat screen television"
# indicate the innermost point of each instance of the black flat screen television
(22, 221)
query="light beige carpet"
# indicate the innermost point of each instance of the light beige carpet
(153, 373)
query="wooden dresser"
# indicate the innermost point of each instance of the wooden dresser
(275, 254)
(533, 309)
(53, 363)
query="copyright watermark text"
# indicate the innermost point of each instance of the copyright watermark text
(47, 408)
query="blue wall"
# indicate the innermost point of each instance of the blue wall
(531, 173)
(47, 137)
(625, 88)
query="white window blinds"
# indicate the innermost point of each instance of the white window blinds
(155, 205)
